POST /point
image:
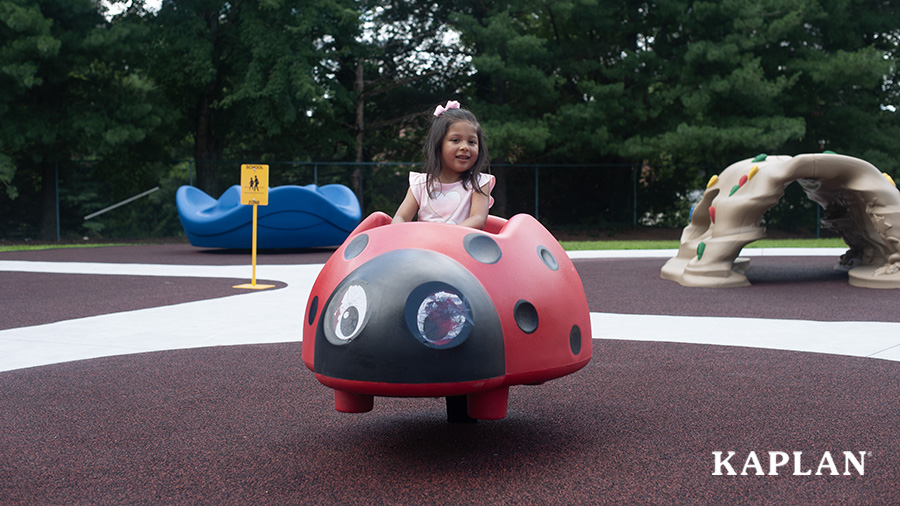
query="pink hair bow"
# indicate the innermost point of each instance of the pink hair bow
(451, 104)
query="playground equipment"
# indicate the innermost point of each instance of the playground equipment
(860, 203)
(295, 217)
(435, 310)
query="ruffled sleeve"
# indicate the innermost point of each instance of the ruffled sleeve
(484, 179)
(417, 185)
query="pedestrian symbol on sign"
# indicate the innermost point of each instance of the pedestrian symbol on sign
(255, 185)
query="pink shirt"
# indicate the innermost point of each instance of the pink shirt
(450, 203)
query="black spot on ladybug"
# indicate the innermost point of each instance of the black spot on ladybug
(482, 248)
(356, 246)
(548, 258)
(526, 316)
(313, 309)
(575, 340)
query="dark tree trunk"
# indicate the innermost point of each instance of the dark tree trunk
(360, 124)
(206, 154)
(48, 201)
(207, 147)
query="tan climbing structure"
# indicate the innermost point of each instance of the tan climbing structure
(860, 203)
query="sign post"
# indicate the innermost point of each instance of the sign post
(255, 192)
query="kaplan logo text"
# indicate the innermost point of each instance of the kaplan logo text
(773, 463)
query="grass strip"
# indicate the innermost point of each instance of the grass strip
(35, 247)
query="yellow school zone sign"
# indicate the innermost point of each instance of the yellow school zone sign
(254, 192)
(255, 185)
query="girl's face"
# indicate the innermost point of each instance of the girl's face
(459, 150)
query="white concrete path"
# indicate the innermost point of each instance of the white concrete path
(278, 314)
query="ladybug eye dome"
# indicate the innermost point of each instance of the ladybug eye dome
(348, 314)
(442, 317)
(439, 316)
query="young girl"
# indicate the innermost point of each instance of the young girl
(453, 188)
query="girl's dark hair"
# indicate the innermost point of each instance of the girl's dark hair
(434, 141)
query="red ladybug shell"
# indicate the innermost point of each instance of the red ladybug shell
(511, 297)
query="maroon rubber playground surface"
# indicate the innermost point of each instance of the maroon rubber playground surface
(250, 425)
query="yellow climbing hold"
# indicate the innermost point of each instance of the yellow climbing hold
(712, 181)
(889, 178)
(753, 171)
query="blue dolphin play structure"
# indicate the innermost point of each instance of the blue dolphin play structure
(296, 217)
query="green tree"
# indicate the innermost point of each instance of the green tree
(402, 62)
(682, 87)
(737, 77)
(556, 83)
(69, 93)
(248, 78)
(728, 80)
(848, 75)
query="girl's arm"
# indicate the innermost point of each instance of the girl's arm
(480, 204)
(408, 209)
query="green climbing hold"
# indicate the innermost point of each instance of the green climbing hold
(734, 189)
(760, 157)
(829, 152)
(700, 249)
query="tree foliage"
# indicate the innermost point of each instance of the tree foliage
(248, 77)
(682, 88)
(663, 92)
(72, 88)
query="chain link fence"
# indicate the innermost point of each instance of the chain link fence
(91, 201)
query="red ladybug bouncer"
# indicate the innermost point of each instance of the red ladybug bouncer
(435, 310)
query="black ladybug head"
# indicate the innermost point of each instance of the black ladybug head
(409, 316)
